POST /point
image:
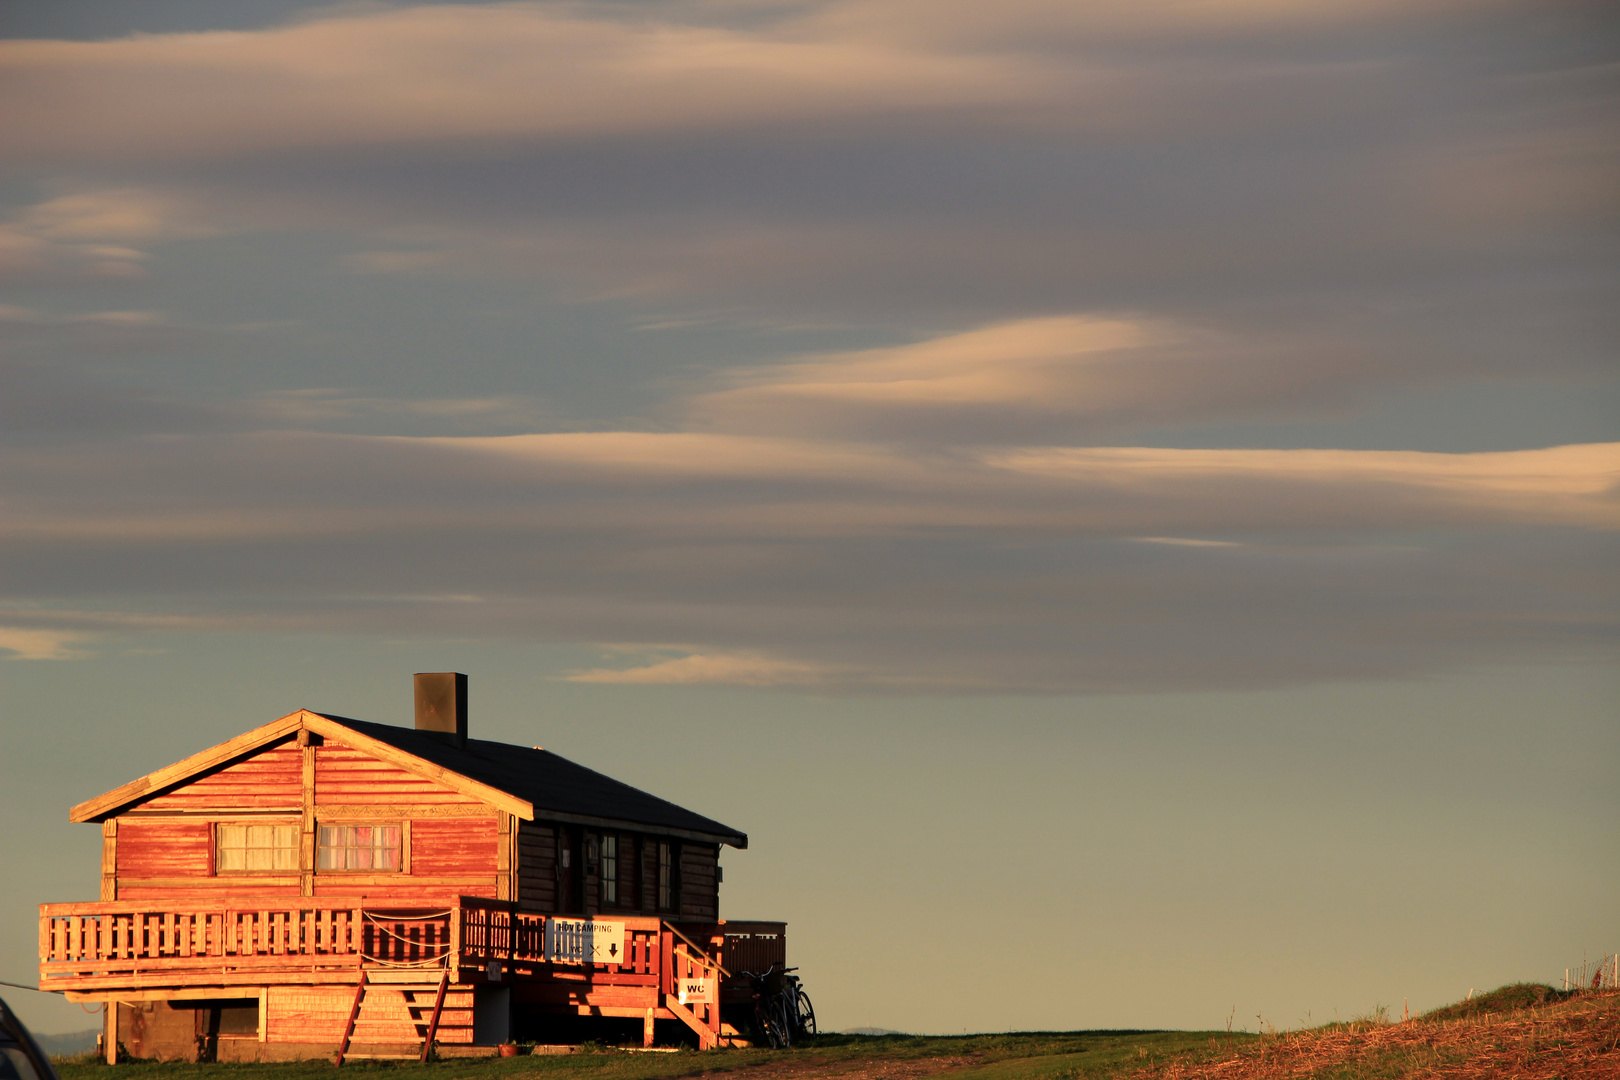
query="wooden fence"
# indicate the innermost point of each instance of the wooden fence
(1600, 974)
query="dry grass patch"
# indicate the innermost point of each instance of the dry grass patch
(1561, 1040)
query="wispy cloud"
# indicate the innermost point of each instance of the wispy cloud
(24, 643)
(844, 565)
(1073, 374)
(465, 72)
(719, 486)
(90, 235)
(709, 669)
(1062, 236)
(327, 405)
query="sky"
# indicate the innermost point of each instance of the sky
(1119, 501)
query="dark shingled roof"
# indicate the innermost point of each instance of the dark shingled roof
(550, 782)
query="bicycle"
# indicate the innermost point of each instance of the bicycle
(797, 1005)
(782, 1009)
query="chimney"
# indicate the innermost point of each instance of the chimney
(441, 705)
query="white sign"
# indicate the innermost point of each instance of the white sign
(697, 991)
(585, 941)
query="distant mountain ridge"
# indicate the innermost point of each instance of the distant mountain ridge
(72, 1042)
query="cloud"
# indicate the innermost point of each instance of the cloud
(1058, 235)
(720, 487)
(27, 257)
(863, 163)
(1568, 485)
(40, 402)
(87, 235)
(711, 669)
(486, 73)
(461, 72)
(329, 405)
(110, 214)
(842, 565)
(1073, 374)
(33, 644)
(396, 262)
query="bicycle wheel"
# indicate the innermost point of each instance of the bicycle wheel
(770, 1031)
(785, 1019)
(807, 1015)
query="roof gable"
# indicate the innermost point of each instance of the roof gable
(518, 780)
(260, 737)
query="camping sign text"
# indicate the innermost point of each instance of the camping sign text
(584, 941)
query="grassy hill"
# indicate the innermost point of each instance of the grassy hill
(1532, 1032)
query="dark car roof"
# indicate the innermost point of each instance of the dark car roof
(551, 782)
(14, 1033)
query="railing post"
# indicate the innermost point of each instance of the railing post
(453, 954)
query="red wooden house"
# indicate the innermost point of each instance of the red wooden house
(322, 884)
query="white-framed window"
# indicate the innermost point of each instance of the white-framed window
(610, 870)
(255, 847)
(373, 847)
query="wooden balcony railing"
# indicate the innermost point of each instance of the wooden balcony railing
(128, 946)
(98, 945)
(751, 946)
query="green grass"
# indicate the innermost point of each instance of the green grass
(1502, 999)
(1024, 1056)
(1077, 1055)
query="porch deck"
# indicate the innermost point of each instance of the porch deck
(128, 951)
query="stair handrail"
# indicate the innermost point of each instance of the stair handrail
(701, 954)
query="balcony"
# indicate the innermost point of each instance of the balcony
(657, 970)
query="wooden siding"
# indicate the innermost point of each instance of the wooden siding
(453, 845)
(629, 880)
(176, 889)
(345, 776)
(299, 1014)
(162, 848)
(649, 874)
(460, 848)
(109, 859)
(537, 867)
(271, 779)
(700, 889)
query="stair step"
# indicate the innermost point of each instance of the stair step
(383, 976)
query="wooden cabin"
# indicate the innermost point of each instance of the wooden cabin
(323, 885)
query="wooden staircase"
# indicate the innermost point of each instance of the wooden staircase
(691, 964)
(423, 1003)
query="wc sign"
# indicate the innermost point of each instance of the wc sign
(696, 992)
